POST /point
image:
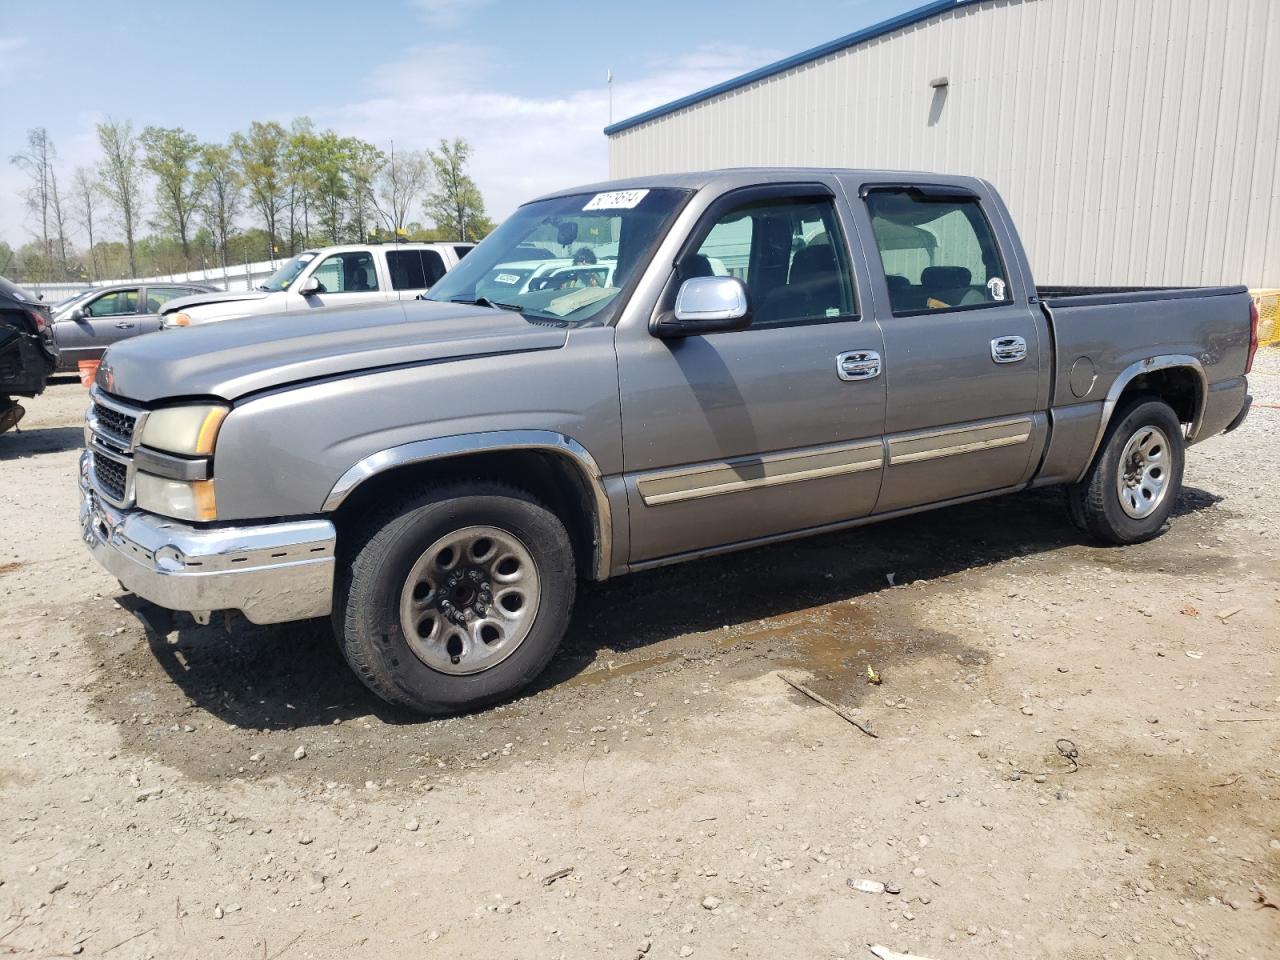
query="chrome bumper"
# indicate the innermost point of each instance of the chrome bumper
(271, 572)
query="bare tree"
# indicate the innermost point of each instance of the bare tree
(401, 183)
(122, 179)
(59, 213)
(85, 193)
(36, 161)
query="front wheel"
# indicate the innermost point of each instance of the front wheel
(1133, 484)
(456, 598)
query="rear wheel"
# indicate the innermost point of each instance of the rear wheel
(456, 598)
(1133, 484)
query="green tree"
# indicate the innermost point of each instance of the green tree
(121, 177)
(171, 155)
(220, 195)
(455, 205)
(364, 163)
(327, 161)
(261, 153)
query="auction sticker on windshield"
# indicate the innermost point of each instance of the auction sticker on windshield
(616, 200)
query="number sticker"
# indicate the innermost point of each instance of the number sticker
(996, 286)
(616, 200)
(506, 278)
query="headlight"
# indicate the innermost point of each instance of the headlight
(180, 499)
(176, 320)
(189, 430)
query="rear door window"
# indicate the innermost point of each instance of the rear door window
(414, 269)
(157, 297)
(938, 253)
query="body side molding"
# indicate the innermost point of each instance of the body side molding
(420, 451)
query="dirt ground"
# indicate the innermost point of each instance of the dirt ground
(665, 793)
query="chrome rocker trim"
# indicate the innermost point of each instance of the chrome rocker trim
(271, 572)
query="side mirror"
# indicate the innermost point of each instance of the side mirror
(310, 285)
(706, 305)
(79, 313)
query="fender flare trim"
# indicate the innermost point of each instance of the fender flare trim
(460, 445)
(1134, 370)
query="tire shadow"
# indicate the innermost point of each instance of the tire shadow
(291, 676)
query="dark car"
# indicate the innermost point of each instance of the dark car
(28, 354)
(86, 325)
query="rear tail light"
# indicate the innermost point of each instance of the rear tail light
(38, 319)
(1253, 335)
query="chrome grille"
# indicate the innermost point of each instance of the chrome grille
(111, 477)
(114, 424)
(113, 430)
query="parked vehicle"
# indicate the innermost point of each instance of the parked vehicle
(27, 351)
(87, 324)
(327, 277)
(437, 475)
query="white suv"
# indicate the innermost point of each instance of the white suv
(326, 277)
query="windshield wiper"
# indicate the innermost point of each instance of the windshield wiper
(486, 302)
(263, 286)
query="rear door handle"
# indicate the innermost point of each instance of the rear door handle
(858, 365)
(1008, 349)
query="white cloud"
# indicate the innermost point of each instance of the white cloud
(429, 66)
(15, 54)
(522, 145)
(447, 13)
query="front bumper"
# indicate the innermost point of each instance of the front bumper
(270, 572)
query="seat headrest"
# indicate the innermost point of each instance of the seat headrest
(812, 262)
(896, 282)
(945, 278)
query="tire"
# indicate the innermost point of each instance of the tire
(451, 641)
(1136, 478)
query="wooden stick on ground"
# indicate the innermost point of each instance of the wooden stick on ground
(840, 712)
(1247, 719)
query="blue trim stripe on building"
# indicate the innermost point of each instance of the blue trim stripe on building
(807, 56)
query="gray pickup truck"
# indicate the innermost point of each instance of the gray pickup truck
(771, 353)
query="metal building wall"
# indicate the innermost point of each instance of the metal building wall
(1135, 141)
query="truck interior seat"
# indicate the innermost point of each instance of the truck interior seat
(812, 289)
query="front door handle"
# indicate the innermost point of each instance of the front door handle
(124, 325)
(1008, 349)
(858, 365)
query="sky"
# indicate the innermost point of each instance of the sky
(524, 83)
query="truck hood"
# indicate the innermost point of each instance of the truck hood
(217, 296)
(230, 360)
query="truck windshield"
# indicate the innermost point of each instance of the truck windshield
(288, 271)
(565, 259)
